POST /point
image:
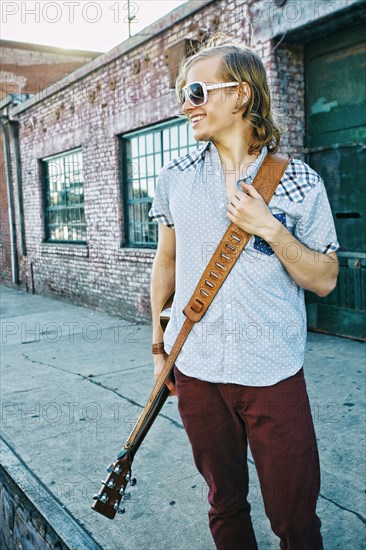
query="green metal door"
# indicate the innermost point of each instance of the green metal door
(335, 69)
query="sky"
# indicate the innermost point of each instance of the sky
(79, 24)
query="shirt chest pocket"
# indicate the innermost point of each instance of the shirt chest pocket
(261, 245)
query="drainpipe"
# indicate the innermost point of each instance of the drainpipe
(14, 130)
(8, 173)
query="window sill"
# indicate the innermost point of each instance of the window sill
(83, 251)
(61, 249)
(136, 254)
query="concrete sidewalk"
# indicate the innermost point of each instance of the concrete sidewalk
(73, 383)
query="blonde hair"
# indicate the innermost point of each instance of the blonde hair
(241, 64)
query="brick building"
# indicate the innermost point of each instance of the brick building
(91, 148)
(31, 68)
(26, 69)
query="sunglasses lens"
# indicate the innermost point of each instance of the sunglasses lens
(195, 93)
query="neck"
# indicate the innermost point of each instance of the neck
(234, 152)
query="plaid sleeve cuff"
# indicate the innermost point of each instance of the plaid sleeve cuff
(332, 247)
(161, 218)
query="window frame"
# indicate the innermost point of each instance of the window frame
(126, 181)
(46, 193)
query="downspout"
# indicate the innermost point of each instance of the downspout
(8, 173)
(14, 130)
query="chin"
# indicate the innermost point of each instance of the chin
(202, 136)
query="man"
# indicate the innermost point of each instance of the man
(239, 376)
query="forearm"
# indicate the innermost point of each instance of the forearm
(310, 269)
(161, 287)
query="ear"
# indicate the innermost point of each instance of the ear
(244, 94)
(242, 97)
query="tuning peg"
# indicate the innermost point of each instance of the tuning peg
(116, 469)
(102, 498)
(111, 483)
(131, 480)
(122, 492)
(117, 507)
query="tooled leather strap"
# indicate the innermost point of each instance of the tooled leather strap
(232, 243)
(225, 256)
(218, 268)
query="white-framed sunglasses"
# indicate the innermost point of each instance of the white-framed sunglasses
(196, 92)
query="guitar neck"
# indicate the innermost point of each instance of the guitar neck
(146, 420)
(158, 396)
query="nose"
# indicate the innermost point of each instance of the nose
(186, 105)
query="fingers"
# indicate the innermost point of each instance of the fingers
(169, 385)
(230, 209)
(158, 368)
(250, 190)
(236, 199)
(232, 205)
(235, 205)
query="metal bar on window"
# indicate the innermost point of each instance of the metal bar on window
(165, 140)
(64, 197)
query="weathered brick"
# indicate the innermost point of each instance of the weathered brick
(103, 275)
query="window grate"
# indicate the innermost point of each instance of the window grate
(145, 152)
(64, 198)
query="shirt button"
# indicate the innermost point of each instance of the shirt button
(229, 337)
(222, 204)
(228, 306)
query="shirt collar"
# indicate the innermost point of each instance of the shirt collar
(251, 171)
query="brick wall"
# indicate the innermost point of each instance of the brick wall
(31, 68)
(22, 525)
(91, 114)
(31, 516)
(28, 68)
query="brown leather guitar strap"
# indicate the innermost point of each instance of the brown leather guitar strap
(107, 501)
(218, 268)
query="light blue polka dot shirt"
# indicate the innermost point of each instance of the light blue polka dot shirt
(254, 331)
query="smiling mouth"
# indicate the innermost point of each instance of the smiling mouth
(197, 119)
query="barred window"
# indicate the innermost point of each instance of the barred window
(144, 153)
(64, 197)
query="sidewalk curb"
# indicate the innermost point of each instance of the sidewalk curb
(29, 500)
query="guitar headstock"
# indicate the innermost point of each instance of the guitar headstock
(113, 490)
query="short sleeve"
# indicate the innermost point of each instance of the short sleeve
(160, 210)
(315, 226)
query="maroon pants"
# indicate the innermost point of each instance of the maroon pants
(220, 419)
